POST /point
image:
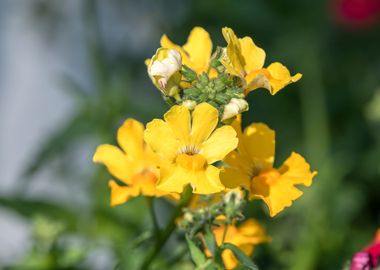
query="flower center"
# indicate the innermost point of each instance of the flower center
(145, 176)
(191, 162)
(189, 150)
(271, 176)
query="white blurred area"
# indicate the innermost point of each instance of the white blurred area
(35, 53)
(31, 106)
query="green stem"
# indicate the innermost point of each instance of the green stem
(166, 233)
(150, 202)
(224, 233)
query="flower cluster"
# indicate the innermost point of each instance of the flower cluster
(200, 143)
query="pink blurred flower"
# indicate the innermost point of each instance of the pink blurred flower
(368, 257)
(356, 13)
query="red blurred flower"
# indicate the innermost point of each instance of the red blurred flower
(369, 257)
(356, 13)
(374, 249)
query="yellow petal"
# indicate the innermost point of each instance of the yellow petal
(146, 183)
(277, 187)
(236, 124)
(115, 160)
(280, 77)
(121, 194)
(206, 182)
(161, 139)
(205, 119)
(233, 51)
(229, 259)
(130, 138)
(259, 142)
(252, 232)
(199, 48)
(178, 117)
(167, 43)
(257, 79)
(233, 178)
(254, 56)
(221, 142)
(173, 179)
(297, 170)
(276, 193)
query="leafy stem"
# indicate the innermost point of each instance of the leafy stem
(163, 237)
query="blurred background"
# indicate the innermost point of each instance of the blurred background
(71, 71)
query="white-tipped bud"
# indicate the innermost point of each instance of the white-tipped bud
(235, 107)
(233, 196)
(164, 69)
(190, 104)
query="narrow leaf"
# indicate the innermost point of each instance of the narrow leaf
(196, 254)
(243, 259)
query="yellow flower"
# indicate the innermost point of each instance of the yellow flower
(245, 237)
(164, 70)
(251, 166)
(134, 164)
(188, 145)
(196, 53)
(245, 60)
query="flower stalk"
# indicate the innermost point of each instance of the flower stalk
(164, 236)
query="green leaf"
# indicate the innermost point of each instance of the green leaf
(210, 241)
(196, 254)
(243, 259)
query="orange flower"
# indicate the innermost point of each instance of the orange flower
(245, 237)
(134, 164)
(251, 166)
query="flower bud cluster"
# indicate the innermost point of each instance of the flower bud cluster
(181, 85)
(225, 211)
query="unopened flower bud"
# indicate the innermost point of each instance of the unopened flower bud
(234, 196)
(190, 104)
(164, 70)
(188, 217)
(235, 107)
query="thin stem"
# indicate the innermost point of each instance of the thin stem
(167, 232)
(224, 233)
(150, 202)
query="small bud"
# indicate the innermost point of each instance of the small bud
(164, 70)
(190, 104)
(235, 197)
(188, 217)
(235, 107)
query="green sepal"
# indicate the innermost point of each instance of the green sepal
(188, 73)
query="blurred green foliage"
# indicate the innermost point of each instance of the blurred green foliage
(331, 117)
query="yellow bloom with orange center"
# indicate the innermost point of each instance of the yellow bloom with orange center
(196, 53)
(188, 144)
(246, 60)
(134, 164)
(245, 237)
(251, 166)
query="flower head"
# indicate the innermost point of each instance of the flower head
(134, 164)
(188, 144)
(245, 60)
(164, 69)
(196, 53)
(245, 237)
(251, 166)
